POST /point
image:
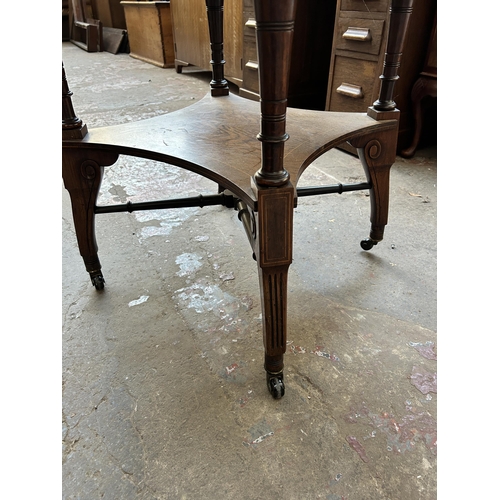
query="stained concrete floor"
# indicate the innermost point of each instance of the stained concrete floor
(164, 393)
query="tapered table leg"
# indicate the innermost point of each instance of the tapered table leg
(273, 250)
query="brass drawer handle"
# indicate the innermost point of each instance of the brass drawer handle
(350, 90)
(358, 34)
(252, 65)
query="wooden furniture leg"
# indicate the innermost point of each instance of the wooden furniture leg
(377, 155)
(273, 251)
(82, 174)
(275, 193)
(215, 10)
(82, 171)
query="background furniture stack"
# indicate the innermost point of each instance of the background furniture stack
(336, 54)
(150, 32)
(95, 25)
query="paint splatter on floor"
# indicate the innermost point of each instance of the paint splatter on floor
(188, 263)
(423, 380)
(358, 448)
(425, 349)
(234, 373)
(324, 354)
(140, 300)
(318, 351)
(210, 298)
(245, 399)
(258, 433)
(202, 238)
(402, 433)
(161, 222)
(297, 349)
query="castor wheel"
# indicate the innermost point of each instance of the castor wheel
(276, 385)
(367, 244)
(98, 281)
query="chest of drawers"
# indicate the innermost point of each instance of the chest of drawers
(359, 37)
(356, 60)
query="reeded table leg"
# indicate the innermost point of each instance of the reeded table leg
(273, 248)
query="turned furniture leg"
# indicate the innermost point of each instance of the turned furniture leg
(215, 14)
(273, 250)
(82, 171)
(82, 174)
(275, 193)
(378, 153)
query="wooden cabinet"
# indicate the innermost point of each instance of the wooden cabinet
(192, 41)
(357, 58)
(149, 29)
(360, 33)
(250, 84)
(110, 13)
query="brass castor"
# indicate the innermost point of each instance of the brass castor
(276, 385)
(367, 244)
(98, 281)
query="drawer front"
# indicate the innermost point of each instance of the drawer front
(250, 60)
(359, 35)
(352, 85)
(366, 5)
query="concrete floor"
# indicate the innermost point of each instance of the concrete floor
(164, 393)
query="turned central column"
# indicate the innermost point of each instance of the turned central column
(274, 28)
